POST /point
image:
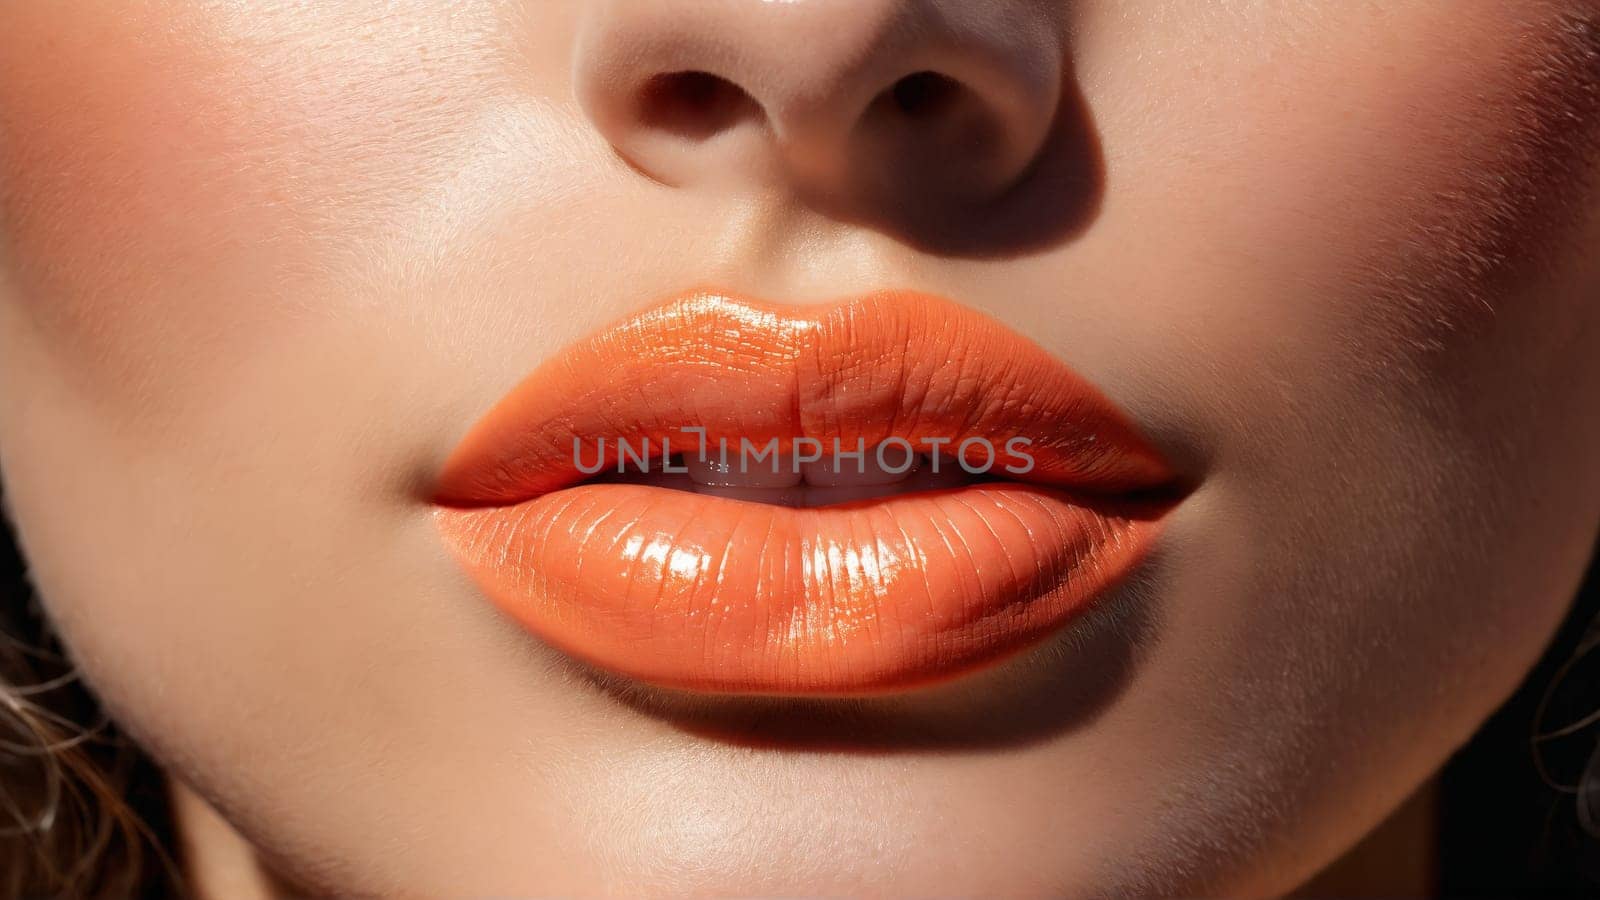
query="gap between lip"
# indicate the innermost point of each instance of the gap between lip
(918, 479)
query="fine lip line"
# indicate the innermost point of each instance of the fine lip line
(706, 594)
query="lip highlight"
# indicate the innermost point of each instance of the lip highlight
(704, 592)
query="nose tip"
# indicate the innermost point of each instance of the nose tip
(951, 97)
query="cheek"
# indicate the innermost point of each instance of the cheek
(130, 177)
(180, 182)
(1388, 177)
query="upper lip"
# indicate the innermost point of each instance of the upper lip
(707, 593)
(886, 365)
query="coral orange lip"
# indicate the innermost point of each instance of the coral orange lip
(707, 593)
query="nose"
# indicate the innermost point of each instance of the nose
(953, 98)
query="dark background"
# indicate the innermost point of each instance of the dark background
(1504, 831)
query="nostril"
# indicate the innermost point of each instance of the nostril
(935, 119)
(924, 94)
(693, 104)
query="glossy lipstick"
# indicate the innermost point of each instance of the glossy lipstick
(714, 593)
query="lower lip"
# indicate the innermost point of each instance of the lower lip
(706, 593)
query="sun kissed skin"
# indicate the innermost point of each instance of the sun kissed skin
(272, 275)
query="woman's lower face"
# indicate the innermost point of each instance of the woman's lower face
(262, 270)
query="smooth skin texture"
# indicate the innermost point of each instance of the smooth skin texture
(262, 265)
